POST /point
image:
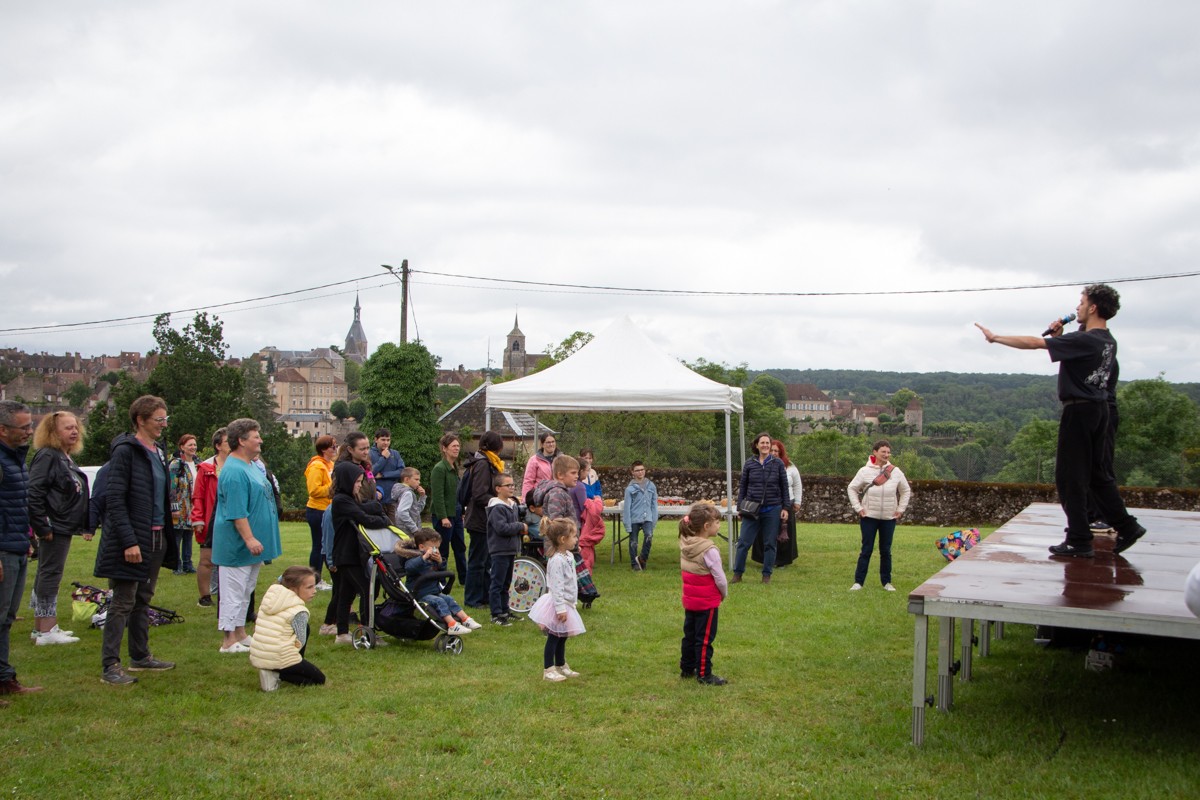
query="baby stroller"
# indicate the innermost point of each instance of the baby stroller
(399, 614)
(529, 578)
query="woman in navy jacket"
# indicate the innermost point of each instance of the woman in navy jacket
(764, 479)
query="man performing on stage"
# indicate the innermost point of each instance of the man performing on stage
(1085, 359)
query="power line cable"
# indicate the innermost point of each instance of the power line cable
(550, 287)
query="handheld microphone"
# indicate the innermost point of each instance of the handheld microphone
(1063, 320)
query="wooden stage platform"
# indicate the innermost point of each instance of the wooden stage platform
(1011, 577)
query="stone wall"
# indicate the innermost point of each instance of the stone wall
(944, 503)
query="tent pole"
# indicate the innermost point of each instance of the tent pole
(729, 487)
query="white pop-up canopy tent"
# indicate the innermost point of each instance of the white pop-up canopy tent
(622, 370)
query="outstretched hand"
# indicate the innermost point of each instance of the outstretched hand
(987, 334)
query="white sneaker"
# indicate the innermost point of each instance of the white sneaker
(458, 629)
(472, 624)
(55, 636)
(236, 647)
(327, 630)
(324, 587)
(268, 679)
(342, 638)
(553, 674)
(249, 640)
(856, 587)
(35, 633)
(566, 671)
(887, 587)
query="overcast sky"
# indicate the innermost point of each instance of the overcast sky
(159, 155)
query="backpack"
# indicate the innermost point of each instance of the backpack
(463, 496)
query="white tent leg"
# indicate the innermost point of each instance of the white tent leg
(729, 487)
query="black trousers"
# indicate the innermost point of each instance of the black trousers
(348, 581)
(479, 570)
(555, 654)
(1081, 469)
(1110, 444)
(696, 650)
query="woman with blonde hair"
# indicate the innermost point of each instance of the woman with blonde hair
(58, 510)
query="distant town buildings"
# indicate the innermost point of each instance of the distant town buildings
(808, 408)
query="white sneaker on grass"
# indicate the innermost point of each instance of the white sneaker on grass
(55, 636)
(472, 624)
(552, 674)
(856, 587)
(35, 633)
(458, 629)
(236, 647)
(887, 587)
(323, 586)
(566, 671)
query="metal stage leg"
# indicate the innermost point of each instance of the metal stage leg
(985, 638)
(968, 648)
(999, 631)
(945, 680)
(920, 664)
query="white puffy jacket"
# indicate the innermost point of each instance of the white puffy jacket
(881, 502)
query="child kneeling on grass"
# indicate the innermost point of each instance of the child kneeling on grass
(445, 606)
(555, 612)
(281, 633)
(704, 587)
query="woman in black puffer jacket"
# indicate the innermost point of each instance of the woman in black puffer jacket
(58, 510)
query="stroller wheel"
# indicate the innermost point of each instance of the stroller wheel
(528, 584)
(364, 638)
(450, 645)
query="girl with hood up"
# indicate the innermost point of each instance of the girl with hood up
(349, 572)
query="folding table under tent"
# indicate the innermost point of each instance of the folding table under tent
(622, 370)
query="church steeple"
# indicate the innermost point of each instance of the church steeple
(514, 351)
(356, 337)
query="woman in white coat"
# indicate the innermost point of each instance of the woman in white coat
(879, 495)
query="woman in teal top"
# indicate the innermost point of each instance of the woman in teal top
(245, 531)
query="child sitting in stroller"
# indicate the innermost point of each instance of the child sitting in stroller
(458, 623)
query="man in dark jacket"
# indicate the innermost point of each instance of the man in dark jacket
(16, 426)
(136, 538)
(387, 466)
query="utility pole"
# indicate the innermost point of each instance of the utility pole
(403, 278)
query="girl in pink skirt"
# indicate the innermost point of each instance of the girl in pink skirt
(554, 612)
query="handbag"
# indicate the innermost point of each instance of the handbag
(748, 507)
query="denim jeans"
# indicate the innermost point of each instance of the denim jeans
(502, 571)
(766, 524)
(443, 605)
(11, 589)
(647, 529)
(886, 529)
(183, 537)
(315, 560)
(452, 539)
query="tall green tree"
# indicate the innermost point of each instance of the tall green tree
(201, 392)
(77, 394)
(1032, 453)
(773, 387)
(1158, 423)
(339, 409)
(398, 387)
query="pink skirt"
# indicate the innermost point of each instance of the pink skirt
(546, 617)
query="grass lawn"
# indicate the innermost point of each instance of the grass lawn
(817, 704)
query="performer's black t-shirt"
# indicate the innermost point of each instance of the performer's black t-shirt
(1086, 362)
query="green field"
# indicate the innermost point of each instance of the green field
(817, 704)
